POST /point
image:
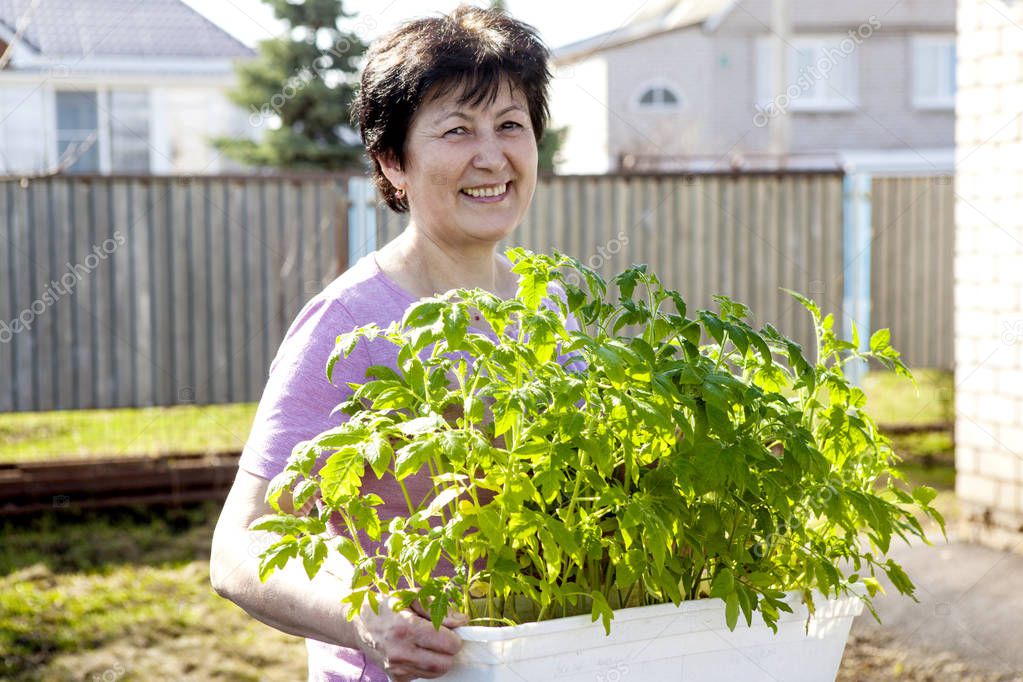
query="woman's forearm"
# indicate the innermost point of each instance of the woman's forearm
(288, 600)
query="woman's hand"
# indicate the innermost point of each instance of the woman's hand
(405, 645)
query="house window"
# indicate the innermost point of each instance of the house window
(934, 72)
(78, 131)
(129, 131)
(659, 96)
(823, 74)
(104, 131)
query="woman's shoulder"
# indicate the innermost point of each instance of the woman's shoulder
(364, 292)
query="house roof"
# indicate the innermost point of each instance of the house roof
(118, 28)
(651, 20)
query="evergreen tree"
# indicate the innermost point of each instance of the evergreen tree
(553, 138)
(550, 145)
(301, 88)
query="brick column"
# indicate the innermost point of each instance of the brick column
(989, 270)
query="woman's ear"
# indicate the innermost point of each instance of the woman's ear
(391, 169)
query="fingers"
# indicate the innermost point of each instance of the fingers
(406, 645)
(420, 663)
(441, 641)
(454, 619)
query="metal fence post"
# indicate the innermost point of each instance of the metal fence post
(362, 218)
(856, 243)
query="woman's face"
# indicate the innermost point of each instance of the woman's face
(470, 171)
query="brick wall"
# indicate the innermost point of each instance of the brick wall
(989, 269)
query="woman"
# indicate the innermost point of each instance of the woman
(451, 110)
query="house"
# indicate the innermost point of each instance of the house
(691, 85)
(114, 86)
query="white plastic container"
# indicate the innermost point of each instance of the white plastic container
(662, 643)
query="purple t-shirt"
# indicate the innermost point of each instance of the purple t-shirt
(298, 399)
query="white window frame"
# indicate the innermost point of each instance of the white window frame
(110, 121)
(103, 139)
(101, 151)
(663, 84)
(807, 102)
(945, 100)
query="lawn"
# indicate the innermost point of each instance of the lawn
(34, 436)
(124, 595)
(37, 436)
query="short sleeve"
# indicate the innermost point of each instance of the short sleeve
(298, 398)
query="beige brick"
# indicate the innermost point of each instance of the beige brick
(1005, 496)
(999, 464)
(967, 16)
(974, 433)
(990, 22)
(977, 101)
(1010, 97)
(995, 409)
(976, 488)
(1010, 385)
(998, 69)
(1010, 43)
(1009, 275)
(1011, 437)
(980, 380)
(978, 43)
(967, 403)
(966, 460)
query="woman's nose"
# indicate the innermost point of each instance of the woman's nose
(491, 153)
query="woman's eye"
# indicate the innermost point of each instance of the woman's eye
(459, 130)
(512, 125)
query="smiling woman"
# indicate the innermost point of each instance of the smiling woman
(451, 109)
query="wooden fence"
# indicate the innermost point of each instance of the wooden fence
(129, 291)
(160, 291)
(742, 236)
(748, 236)
(911, 266)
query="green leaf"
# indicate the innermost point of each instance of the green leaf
(304, 492)
(377, 452)
(602, 610)
(276, 557)
(731, 610)
(924, 494)
(421, 425)
(313, 553)
(341, 475)
(411, 458)
(879, 340)
(814, 309)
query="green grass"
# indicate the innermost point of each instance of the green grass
(38, 436)
(892, 399)
(127, 594)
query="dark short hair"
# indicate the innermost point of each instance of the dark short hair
(473, 49)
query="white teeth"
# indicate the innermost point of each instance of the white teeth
(486, 191)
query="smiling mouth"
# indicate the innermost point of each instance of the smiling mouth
(487, 192)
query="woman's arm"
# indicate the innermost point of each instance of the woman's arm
(403, 644)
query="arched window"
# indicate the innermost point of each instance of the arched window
(659, 96)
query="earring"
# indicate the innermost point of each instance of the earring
(399, 192)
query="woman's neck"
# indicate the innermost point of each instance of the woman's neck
(426, 267)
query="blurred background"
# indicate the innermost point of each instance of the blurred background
(177, 178)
